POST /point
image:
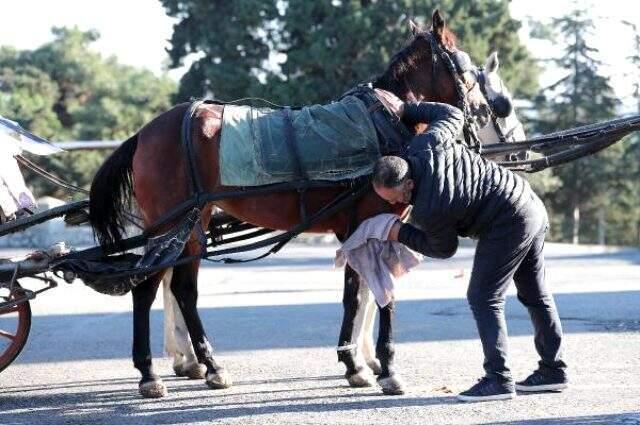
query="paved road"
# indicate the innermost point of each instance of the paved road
(275, 324)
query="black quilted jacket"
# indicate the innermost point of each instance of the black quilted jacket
(457, 192)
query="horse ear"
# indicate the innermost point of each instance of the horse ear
(492, 63)
(437, 25)
(415, 29)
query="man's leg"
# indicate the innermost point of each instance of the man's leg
(533, 294)
(495, 263)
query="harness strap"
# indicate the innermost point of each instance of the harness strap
(298, 169)
(195, 181)
(469, 133)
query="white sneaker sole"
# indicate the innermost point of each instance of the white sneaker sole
(507, 396)
(541, 388)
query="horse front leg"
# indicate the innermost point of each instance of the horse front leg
(391, 384)
(177, 342)
(184, 287)
(358, 373)
(150, 386)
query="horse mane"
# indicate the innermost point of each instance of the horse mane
(408, 59)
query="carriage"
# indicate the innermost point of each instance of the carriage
(114, 267)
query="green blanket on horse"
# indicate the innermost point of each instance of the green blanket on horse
(337, 141)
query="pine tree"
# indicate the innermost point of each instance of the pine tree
(581, 96)
(626, 218)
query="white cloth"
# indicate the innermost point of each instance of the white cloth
(378, 261)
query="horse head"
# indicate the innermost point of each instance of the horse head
(431, 68)
(504, 125)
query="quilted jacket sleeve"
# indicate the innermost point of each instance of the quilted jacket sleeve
(445, 123)
(437, 242)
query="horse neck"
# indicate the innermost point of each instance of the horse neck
(399, 88)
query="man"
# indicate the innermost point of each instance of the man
(455, 192)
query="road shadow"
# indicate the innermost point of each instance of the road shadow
(93, 404)
(59, 338)
(613, 419)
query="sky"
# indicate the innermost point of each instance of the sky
(137, 31)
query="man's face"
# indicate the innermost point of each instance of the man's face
(400, 194)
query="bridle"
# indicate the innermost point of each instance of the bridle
(458, 64)
(503, 135)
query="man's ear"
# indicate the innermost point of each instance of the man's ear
(415, 29)
(411, 184)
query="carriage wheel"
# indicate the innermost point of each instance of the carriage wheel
(15, 323)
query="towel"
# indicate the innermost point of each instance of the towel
(379, 262)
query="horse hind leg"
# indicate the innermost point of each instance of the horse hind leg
(184, 287)
(177, 342)
(150, 386)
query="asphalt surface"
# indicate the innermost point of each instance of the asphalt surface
(275, 324)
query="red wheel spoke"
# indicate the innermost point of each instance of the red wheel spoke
(7, 335)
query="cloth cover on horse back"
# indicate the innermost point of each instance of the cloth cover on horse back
(335, 142)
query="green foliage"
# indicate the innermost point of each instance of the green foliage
(63, 90)
(594, 184)
(300, 52)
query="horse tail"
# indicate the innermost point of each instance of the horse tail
(110, 194)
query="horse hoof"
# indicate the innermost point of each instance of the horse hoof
(219, 380)
(391, 385)
(153, 389)
(375, 366)
(193, 370)
(360, 379)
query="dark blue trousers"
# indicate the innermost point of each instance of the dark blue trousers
(512, 248)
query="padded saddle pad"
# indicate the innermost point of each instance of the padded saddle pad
(335, 142)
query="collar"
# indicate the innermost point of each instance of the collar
(416, 172)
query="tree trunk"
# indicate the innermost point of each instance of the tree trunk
(602, 227)
(576, 224)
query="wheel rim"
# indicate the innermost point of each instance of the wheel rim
(15, 323)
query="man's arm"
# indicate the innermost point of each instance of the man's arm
(445, 123)
(439, 244)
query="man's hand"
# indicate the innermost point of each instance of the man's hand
(395, 230)
(390, 101)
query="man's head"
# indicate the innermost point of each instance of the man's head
(392, 180)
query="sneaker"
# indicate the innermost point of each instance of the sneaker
(539, 381)
(489, 389)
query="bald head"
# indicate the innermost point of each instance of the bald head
(390, 171)
(392, 179)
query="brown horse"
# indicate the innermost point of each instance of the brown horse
(152, 166)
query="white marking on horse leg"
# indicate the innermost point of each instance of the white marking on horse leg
(219, 380)
(364, 378)
(177, 342)
(153, 389)
(368, 346)
(392, 385)
(170, 345)
(359, 324)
